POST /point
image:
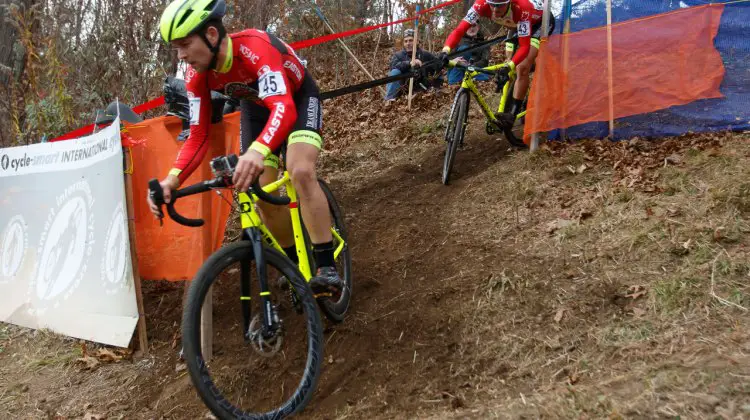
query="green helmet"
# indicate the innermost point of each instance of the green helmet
(186, 17)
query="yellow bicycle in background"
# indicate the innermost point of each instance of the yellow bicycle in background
(459, 113)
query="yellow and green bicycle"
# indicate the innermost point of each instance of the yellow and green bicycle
(459, 113)
(283, 327)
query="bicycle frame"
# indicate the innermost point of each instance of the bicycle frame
(250, 218)
(468, 84)
(257, 232)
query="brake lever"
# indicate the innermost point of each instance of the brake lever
(156, 194)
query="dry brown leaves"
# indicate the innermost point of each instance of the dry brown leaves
(92, 360)
(634, 161)
(365, 115)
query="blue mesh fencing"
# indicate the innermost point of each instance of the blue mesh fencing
(733, 43)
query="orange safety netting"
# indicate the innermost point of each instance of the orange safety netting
(175, 252)
(659, 61)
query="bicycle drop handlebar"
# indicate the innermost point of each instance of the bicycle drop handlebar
(223, 168)
(474, 69)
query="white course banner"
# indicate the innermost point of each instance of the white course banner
(64, 248)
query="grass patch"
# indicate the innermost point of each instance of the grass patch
(4, 336)
(624, 334)
(676, 293)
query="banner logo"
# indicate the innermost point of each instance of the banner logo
(115, 262)
(13, 245)
(66, 246)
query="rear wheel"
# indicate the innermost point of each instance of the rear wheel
(455, 132)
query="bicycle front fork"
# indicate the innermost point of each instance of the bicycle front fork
(270, 318)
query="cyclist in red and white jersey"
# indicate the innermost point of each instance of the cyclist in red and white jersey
(280, 104)
(523, 15)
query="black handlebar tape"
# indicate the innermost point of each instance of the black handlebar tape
(182, 220)
(477, 69)
(279, 201)
(190, 190)
(198, 188)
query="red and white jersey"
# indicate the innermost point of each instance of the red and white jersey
(524, 14)
(263, 69)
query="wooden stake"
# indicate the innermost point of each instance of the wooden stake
(566, 65)
(377, 46)
(141, 328)
(545, 28)
(356, 60)
(610, 72)
(207, 329)
(414, 54)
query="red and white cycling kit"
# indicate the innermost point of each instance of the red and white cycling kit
(261, 70)
(526, 14)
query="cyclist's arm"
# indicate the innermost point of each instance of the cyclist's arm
(478, 9)
(524, 42)
(275, 91)
(455, 37)
(191, 153)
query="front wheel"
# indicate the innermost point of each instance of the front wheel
(254, 373)
(455, 133)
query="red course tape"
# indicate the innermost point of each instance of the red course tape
(296, 45)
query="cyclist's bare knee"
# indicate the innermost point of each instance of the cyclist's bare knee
(304, 177)
(301, 162)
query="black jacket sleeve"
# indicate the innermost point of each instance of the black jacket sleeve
(401, 62)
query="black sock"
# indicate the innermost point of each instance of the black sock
(515, 106)
(324, 254)
(291, 252)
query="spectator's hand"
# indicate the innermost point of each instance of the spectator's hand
(416, 63)
(462, 61)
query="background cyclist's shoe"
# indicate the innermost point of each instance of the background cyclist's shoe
(327, 280)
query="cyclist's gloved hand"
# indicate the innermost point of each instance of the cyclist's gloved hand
(501, 78)
(442, 57)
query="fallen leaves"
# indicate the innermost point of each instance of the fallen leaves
(634, 162)
(559, 315)
(634, 292)
(91, 361)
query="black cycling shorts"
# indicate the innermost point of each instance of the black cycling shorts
(307, 128)
(536, 34)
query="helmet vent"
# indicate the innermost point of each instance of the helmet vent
(185, 17)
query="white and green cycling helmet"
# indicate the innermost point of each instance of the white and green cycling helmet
(498, 2)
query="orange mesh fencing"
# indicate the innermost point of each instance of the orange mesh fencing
(658, 62)
(174, 252)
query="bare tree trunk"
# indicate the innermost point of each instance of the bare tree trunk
(362, 6)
